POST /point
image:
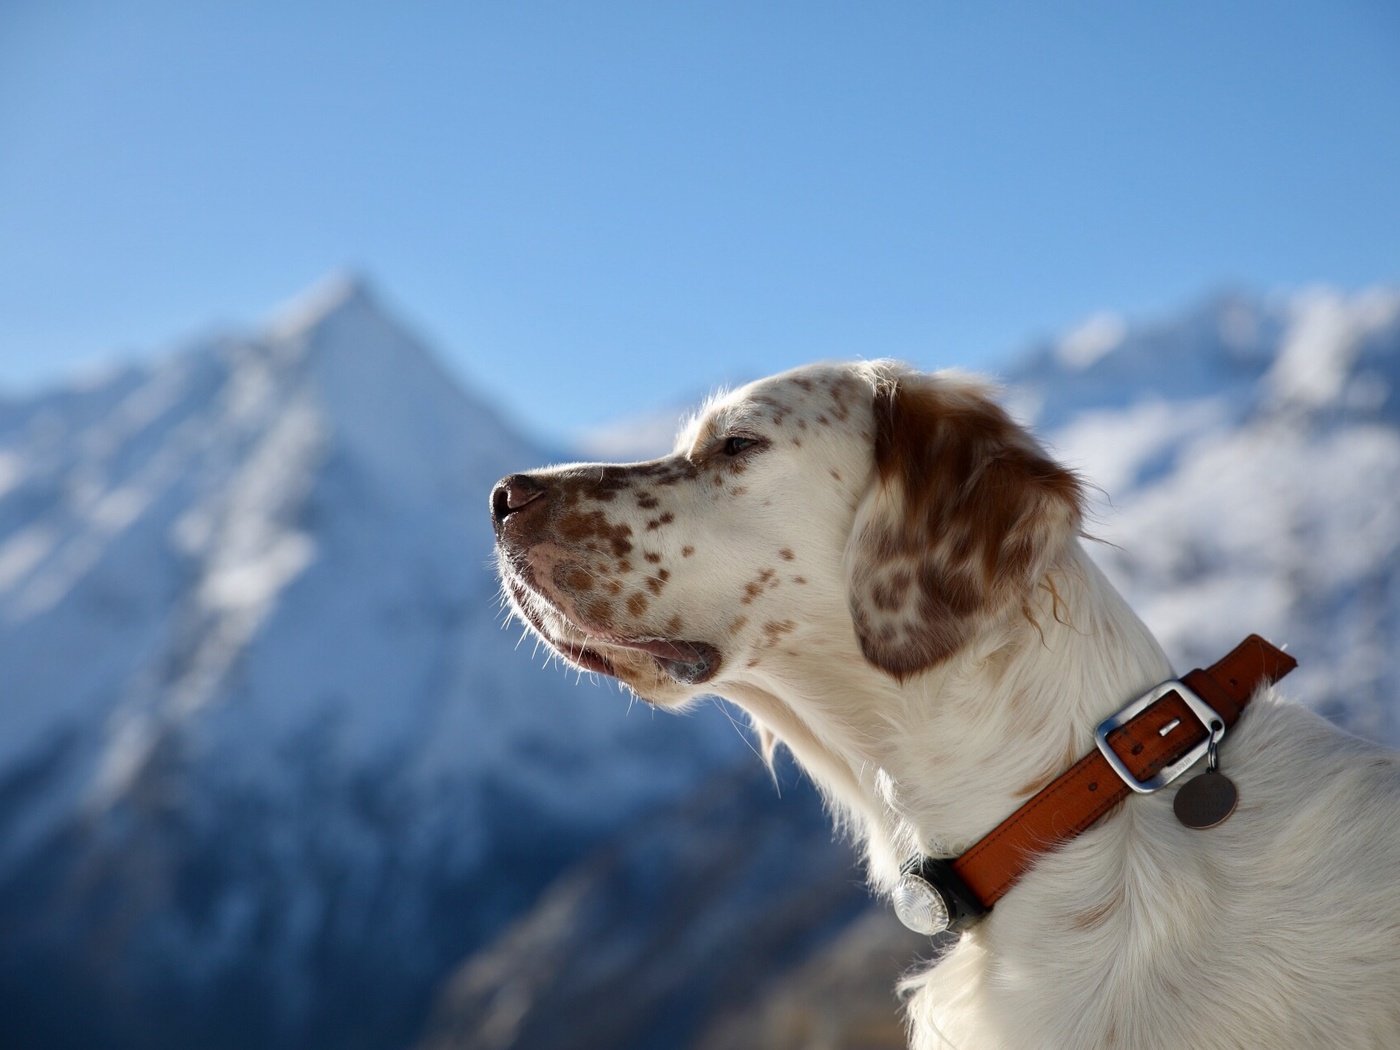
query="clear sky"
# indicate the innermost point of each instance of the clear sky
(594, 208)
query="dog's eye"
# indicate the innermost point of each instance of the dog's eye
(734, 445)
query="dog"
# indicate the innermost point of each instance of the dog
(885, 573)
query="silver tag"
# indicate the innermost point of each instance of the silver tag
(920, 906)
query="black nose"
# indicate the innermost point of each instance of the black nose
(512, 493)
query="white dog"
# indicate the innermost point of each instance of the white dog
(884, 572)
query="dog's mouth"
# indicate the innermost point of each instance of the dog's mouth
(685, 662)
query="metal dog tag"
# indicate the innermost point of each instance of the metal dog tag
(1207, 799)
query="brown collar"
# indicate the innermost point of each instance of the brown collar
(1143, 747)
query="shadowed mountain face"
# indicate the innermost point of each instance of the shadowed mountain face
(271, 774)
(685, 913)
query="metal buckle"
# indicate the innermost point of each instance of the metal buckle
(1207, 715)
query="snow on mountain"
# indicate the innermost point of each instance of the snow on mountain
(1105, 364)
(258, 704)
(1256, 486)
(188, 533)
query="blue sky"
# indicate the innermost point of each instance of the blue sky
(594, 208)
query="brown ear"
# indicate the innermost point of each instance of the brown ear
(963, 519)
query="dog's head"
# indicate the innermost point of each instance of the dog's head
(862, 505)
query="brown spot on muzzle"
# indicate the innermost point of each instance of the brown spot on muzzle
(664, 471)
(603, 483)
(574, 578)
(593, 525)
(599, 613)
(610, 482)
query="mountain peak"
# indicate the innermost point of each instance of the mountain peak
(339, 294)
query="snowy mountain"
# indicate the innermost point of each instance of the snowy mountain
(1256, 486)
(267, 757)
(271, 774)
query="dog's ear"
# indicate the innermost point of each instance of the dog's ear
(963, 518)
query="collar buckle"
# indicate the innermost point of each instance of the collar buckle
(1209, 718)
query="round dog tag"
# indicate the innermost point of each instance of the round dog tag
(1205, 801)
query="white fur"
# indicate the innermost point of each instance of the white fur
(1280, 928)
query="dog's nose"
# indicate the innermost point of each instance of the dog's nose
(513, 493)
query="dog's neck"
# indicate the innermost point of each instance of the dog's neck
(932, 764)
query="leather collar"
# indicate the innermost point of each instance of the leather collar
(1142, 748)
